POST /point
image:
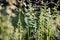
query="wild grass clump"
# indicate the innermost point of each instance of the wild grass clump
(31, 21)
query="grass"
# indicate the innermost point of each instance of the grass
(31, 24)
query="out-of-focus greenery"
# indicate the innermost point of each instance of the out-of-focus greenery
(30, 21)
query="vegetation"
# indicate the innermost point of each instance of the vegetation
(30, 20)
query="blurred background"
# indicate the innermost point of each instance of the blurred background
(29, 19)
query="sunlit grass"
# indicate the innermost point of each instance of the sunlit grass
(30, 24)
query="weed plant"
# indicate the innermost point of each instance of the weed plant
(34, 22)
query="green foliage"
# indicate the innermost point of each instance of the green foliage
(31, 24)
